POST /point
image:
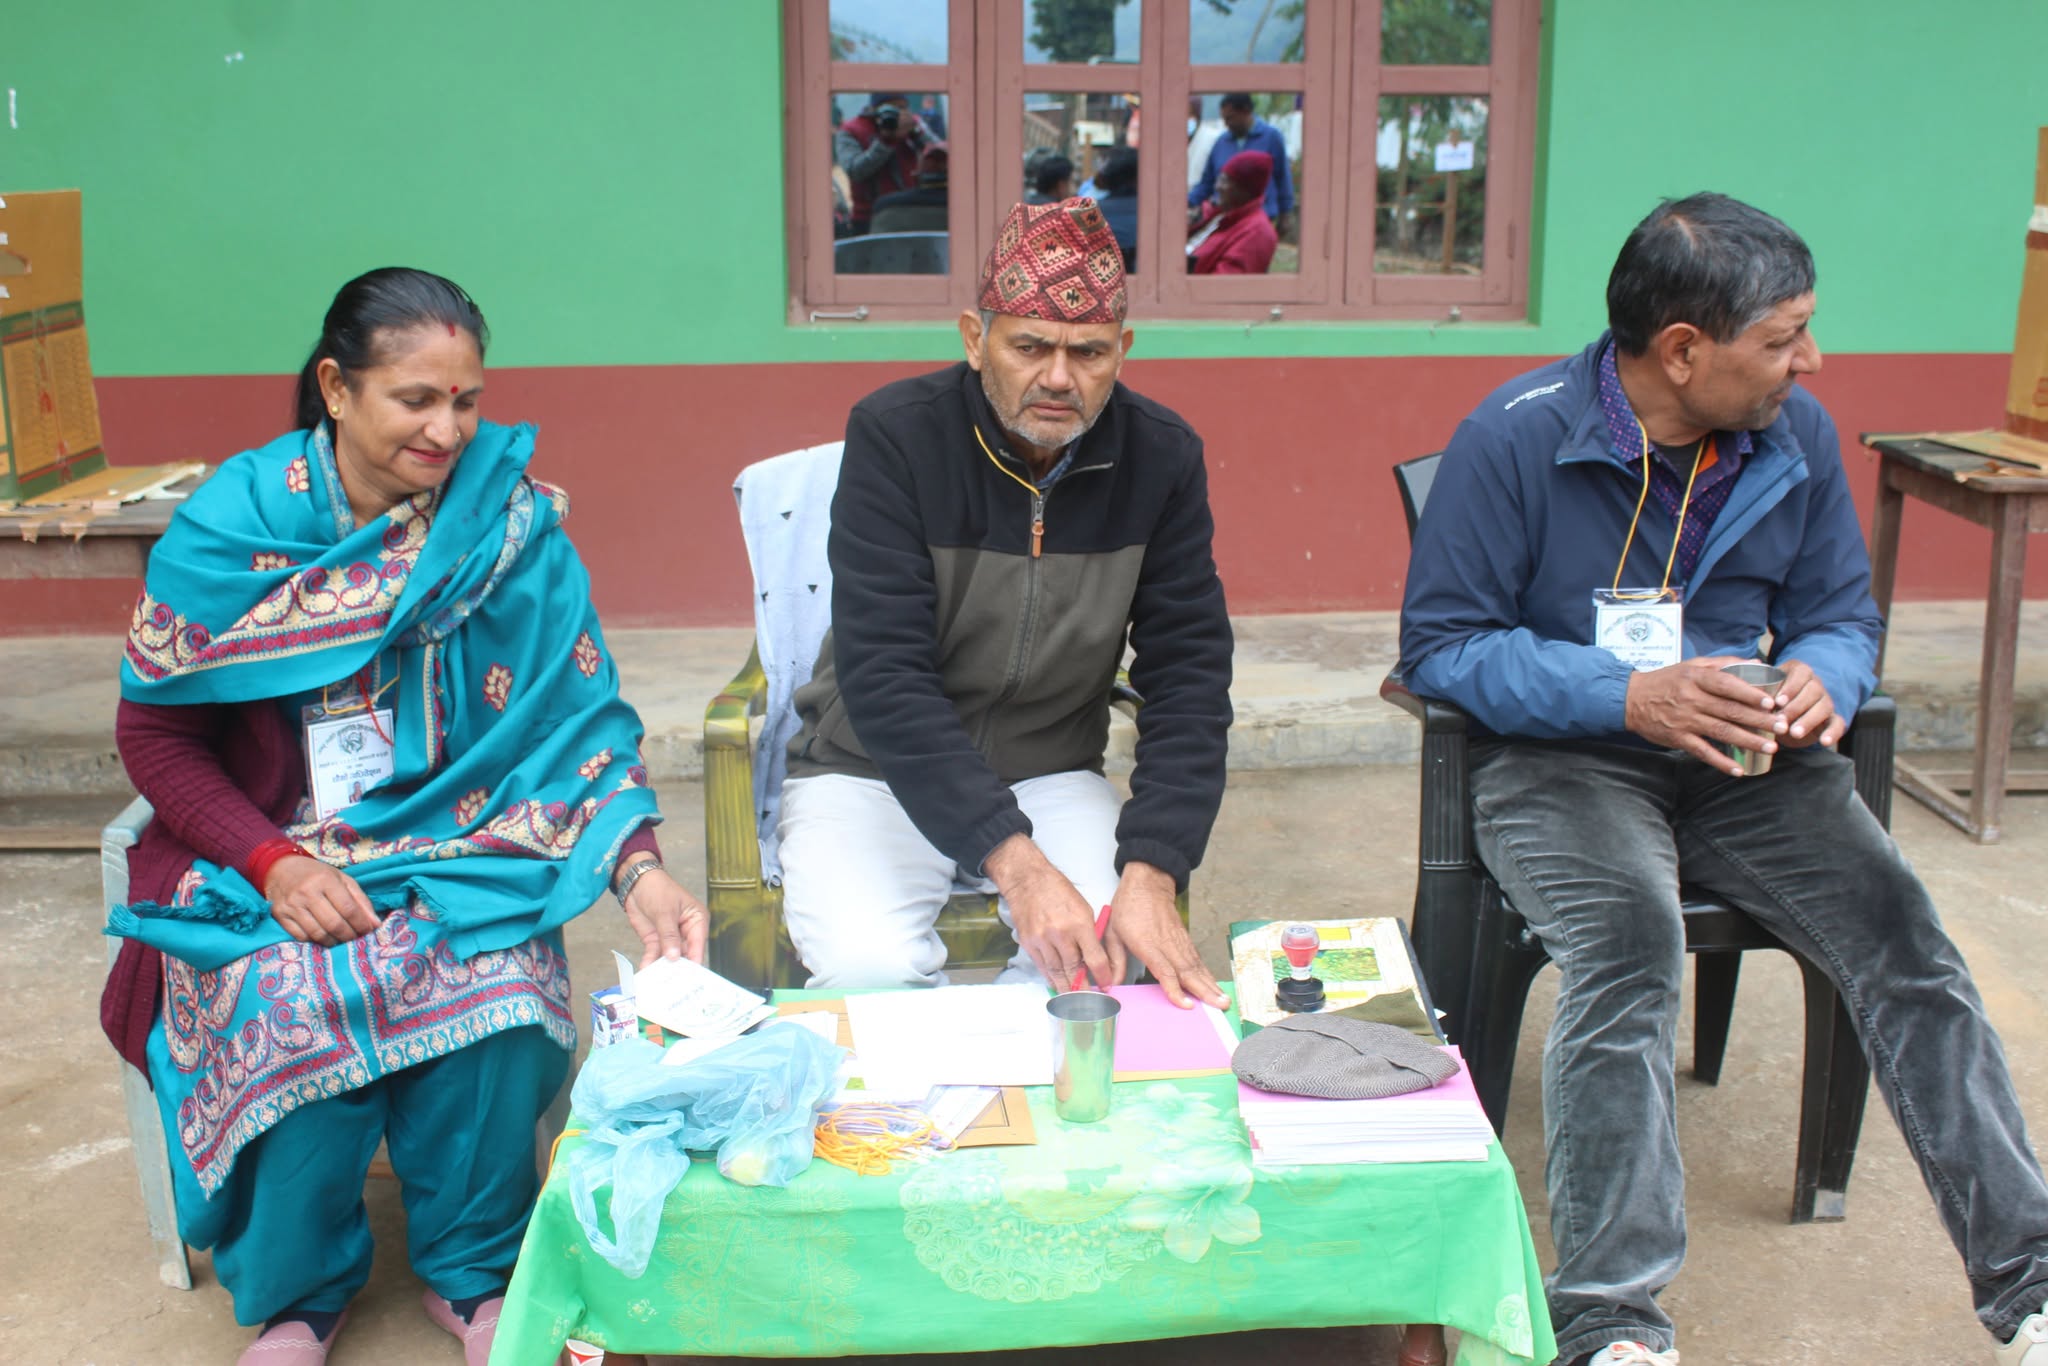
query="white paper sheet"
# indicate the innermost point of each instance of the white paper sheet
(953, 1036)
(953, 1108)
(689, 998)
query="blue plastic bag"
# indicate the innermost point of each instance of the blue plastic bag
(755, 1101)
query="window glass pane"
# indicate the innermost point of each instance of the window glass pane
(1092, 31)
(1229, 31)
(1084, 144)
(1227, 125)
(889, 176)
(888, 30)
(1435, 32)
(1417, 135)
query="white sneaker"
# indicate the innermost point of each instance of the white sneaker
(2029, 1346)
(1635, 1354)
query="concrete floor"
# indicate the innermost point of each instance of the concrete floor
(1883, 1287)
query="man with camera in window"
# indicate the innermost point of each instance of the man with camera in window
(878, 148)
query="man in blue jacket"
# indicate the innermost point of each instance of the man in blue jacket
(1244, 131)
(1604, 535)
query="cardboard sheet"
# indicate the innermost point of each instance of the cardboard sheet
(2026, 397)
(49, 416)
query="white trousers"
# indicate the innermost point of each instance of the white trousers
(862, 889)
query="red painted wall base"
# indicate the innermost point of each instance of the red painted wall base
(1306, 513)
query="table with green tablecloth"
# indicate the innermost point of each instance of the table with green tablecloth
(1150, 1224)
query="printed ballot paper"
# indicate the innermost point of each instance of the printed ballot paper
(690, 999)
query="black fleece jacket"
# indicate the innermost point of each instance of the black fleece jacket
(965, 657)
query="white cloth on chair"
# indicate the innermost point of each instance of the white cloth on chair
(785, 507)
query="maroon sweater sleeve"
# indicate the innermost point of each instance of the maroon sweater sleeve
(172, 756)
(641, 841)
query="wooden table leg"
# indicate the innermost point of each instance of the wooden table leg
(2001, 652)
(1884, 548)
(1422, 1344)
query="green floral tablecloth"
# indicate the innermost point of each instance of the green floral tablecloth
(1150, 1224)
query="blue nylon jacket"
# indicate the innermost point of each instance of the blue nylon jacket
(1528, 514)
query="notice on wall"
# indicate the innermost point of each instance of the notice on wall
(1454, 156)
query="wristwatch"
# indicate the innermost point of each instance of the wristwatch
(632, 878)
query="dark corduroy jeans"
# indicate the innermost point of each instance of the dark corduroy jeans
(1590, 841)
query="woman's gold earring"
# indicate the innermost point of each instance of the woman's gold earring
(334, 412)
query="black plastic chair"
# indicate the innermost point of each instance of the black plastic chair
(1480, 957)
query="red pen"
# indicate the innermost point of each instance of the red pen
(1101, 924)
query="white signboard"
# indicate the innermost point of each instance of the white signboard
(1454, 156)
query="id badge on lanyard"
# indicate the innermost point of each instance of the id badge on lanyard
(1645, 627)
(1642, 627)
(348, 743)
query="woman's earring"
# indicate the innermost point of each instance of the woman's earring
(334, 412)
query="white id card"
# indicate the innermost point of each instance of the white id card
(1642, 627)
(346, 756)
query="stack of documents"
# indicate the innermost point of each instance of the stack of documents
(1441, 1124)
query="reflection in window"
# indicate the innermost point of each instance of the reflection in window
(1432, 185)
(1227, 31)
(1085, 144)
(1225, 126)
(1092, 31)
(889, 179)
(889, 31)
(1435, 32)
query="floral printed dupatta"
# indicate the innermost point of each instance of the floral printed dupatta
(518, 772)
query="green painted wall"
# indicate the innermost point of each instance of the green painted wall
(607, 179)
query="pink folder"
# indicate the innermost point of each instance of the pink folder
(1156, 1038)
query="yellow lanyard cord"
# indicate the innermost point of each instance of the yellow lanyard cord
(1037, 507)
(1684, 504)
(1001, 466)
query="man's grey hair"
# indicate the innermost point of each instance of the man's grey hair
(1708, 260)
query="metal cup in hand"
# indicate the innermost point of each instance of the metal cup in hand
(1084, 1053)
(1769, 678)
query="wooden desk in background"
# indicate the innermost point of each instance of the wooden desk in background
(2012, 506)
(68, 543)
(78, 543)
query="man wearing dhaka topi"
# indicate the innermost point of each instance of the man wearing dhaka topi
(1002, 529)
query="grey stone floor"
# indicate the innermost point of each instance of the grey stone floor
(77, 1283)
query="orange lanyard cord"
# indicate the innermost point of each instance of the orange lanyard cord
(1684, 506)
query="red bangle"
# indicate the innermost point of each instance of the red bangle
(267, 856)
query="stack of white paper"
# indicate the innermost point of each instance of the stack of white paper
(911, 1041)
(1441, 1124)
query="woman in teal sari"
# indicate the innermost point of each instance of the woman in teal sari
(368, 697)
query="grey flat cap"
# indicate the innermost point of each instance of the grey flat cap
(1339, 1058)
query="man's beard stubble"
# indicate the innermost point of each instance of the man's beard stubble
(1014, 425)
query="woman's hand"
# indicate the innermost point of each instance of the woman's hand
(318, 904)
(670, 922)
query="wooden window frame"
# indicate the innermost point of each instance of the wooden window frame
(1340, 81)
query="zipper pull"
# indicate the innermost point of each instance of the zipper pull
(1037, 524)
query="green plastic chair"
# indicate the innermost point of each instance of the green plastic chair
(749, 939)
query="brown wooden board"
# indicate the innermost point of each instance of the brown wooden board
(49, 416)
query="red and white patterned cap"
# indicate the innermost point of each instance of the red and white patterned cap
(1058, 262)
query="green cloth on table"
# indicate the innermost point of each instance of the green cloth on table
(1152, 1223)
